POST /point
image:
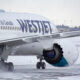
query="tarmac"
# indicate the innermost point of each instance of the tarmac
(29, 72)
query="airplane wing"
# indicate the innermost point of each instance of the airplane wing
(10, 39)
(13, 39)
(70, 34)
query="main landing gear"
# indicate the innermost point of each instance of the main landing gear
(4, 65)
(40, 64)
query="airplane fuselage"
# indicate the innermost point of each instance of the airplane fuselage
(30, 34)
(14, 25)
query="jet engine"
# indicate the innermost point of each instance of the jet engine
(62, 54)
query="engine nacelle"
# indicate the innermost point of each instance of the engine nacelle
(64, 53)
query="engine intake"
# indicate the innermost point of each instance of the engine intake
(55, 56)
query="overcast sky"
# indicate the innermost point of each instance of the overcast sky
(60, 11)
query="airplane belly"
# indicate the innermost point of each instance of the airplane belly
(29, 49)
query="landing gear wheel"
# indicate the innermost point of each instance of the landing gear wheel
(43, 65)
(40, 65)
(10, 66)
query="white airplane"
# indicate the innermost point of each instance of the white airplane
(30, 34)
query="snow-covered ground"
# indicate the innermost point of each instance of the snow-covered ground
(29, 72)
(25, 69)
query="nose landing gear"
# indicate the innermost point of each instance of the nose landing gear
(40, 64)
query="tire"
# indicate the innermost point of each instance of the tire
(10, 66)
(43, 65)
(38, 65)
